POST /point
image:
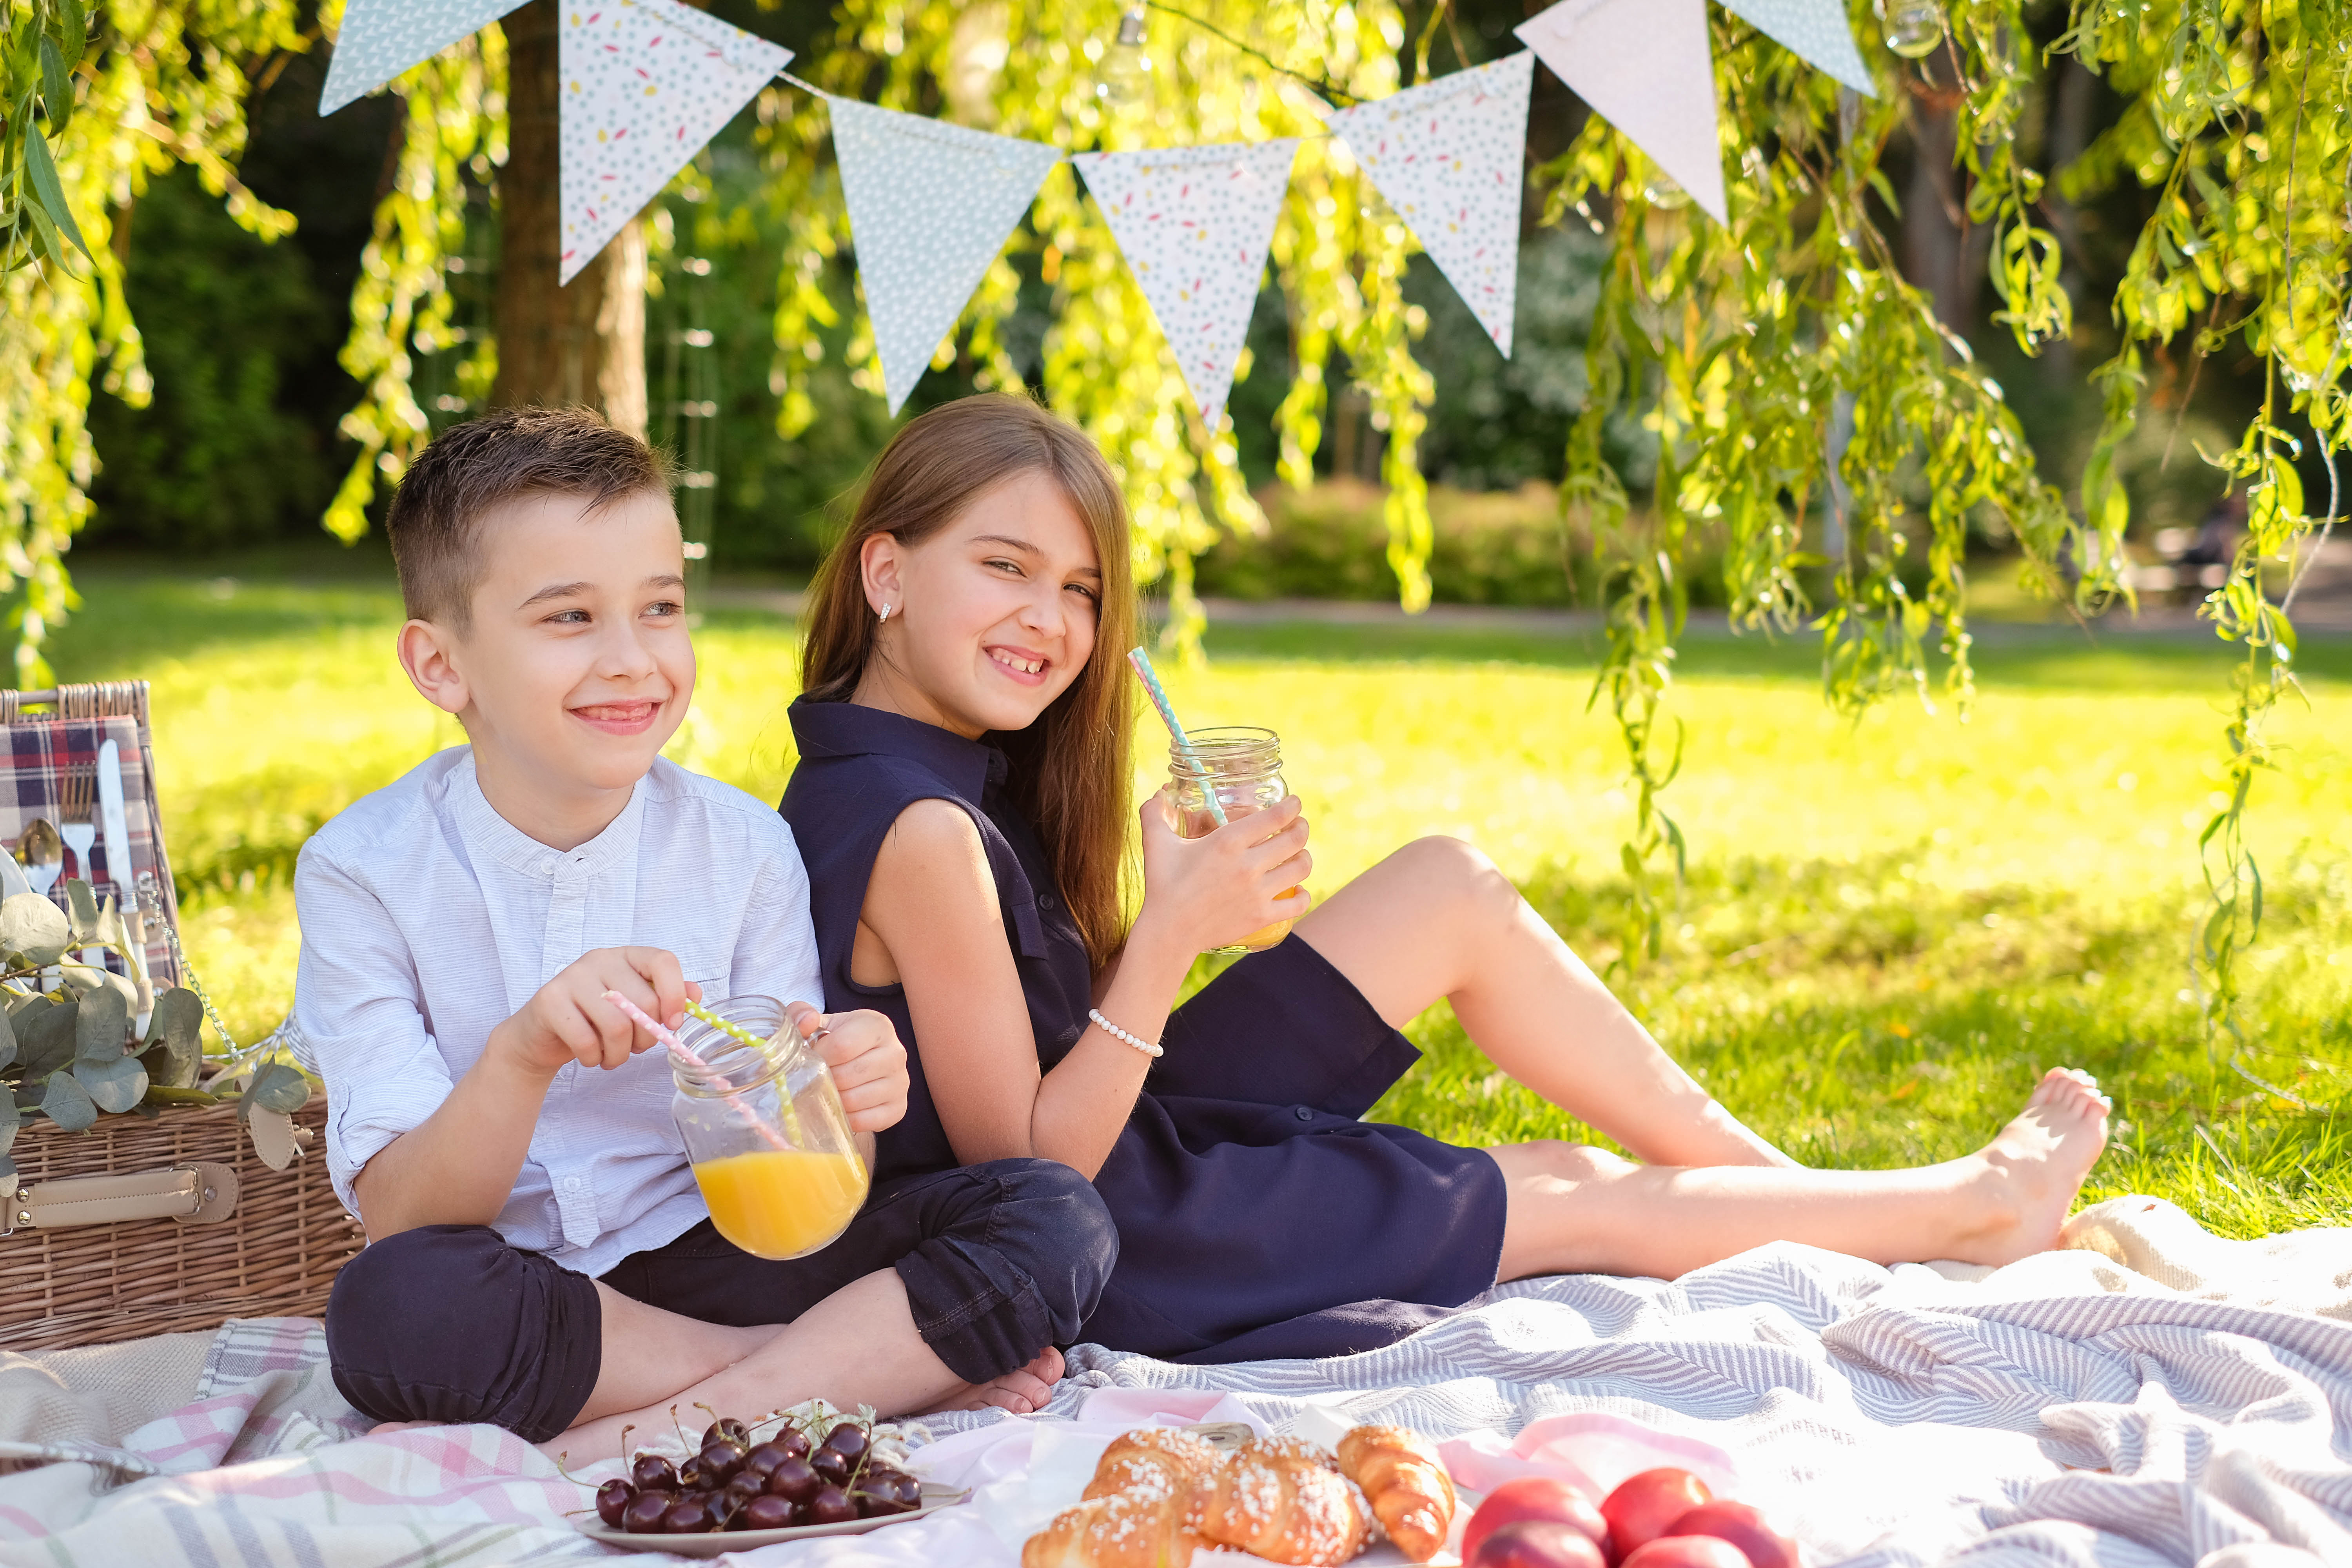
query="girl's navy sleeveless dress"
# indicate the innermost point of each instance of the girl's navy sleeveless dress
(1257, 1216)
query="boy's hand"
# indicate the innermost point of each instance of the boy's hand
(567, 1020)
(868, 1061)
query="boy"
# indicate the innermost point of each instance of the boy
(539, 1254)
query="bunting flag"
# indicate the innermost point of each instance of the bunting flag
(1815, 31)
(1451, 158)
(1195, 223)
(645, 84)
(929, 206)
(381, 38)
(1644, 66)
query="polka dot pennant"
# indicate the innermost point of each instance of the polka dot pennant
(1815, 31)
(1644, 66)
(1195, 223)
(381, 38)
(645, 84)
(1451, 157)
(929, 206)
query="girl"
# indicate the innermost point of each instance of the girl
(962, 804)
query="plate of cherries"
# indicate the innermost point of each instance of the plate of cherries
(741, 1490)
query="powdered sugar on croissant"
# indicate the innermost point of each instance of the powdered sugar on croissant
(1285, 1502)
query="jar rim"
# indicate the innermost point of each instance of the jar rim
(744, 1066)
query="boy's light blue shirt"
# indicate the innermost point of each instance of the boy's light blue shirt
(428, 919)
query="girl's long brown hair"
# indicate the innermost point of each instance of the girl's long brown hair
(1070, 773)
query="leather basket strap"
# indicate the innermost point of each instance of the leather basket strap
(196, 1192)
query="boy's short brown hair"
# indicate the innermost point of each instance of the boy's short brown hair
(436, 518)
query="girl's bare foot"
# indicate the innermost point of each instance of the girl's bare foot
(2033, 1170)
(1024, 1393)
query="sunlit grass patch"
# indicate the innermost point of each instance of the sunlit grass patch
(1890, 927)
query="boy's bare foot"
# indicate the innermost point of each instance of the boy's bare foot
(2035, 1166)
(1024, 1393)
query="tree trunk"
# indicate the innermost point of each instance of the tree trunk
(584, 343)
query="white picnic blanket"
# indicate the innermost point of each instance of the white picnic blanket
(2068, 1410)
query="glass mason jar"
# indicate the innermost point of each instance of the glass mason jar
(1241, 766)
(771, 1145)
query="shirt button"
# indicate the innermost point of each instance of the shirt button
(547, 866)
(1045, 901)
(1304, 1114)
(572, 1184)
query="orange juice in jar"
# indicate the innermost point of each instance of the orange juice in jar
(764, 1128)
(1241, 768)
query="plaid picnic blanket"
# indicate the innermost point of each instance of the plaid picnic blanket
(2065, 1412)
(42, 752)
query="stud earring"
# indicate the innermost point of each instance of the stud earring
(885, 614)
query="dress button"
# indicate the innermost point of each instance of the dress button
(1305, 1115)
(1046, 901)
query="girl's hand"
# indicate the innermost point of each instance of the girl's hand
(1210, 892)
(868, 1061)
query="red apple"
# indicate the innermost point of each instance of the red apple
(1744, 1528)
(1644, 1507)
(1539, 1543)
(1687, 1552)
(1536, 1498)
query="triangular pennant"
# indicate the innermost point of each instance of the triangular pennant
(929, 206)
(1195, 223)
(645, 84)
(1451, 157)
(1646, 68)
(381, 38)
(1815, 31)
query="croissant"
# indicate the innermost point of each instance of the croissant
(1406, 1484)
(1141, 1529)
(1158, 1458)
(1282, 1501)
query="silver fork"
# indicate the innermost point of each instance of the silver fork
(76, 792)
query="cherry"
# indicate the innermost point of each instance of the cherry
(831, 1506)
(849, 1440)
(612, 1501)
(763, 1460)
(687, 1516)
(720, 1462)
(653, 1474)
(793, 1441)
(767, 1513)
(726, 1429)
(644, 1516)
(795, 1481)
(832, 1464)
(909, 1491)
(739, 1492)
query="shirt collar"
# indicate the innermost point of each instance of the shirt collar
(489, 834)
(850, 730)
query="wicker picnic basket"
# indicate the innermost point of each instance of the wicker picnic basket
(168, 1220)
(275, 1256)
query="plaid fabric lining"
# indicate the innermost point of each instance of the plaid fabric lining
(32, 783)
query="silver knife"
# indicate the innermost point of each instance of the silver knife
(117, 829)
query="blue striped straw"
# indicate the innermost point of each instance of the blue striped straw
(1140, 662)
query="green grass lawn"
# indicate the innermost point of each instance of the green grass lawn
(1890, 928)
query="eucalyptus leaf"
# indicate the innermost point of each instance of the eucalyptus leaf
(82, 906)
(177, 1020)
(11, 1119)
(280, 1086)
(67, 1104)
(27, 1096)
(33, 932)
(46, 1042)
(116, 1085)
(102, 1026)
(27, 1004)
(8, 1042)
(7, 1168)
(177, 1094)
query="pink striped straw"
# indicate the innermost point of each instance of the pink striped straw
(718, 1081)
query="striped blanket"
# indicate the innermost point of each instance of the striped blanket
(2068, 1410)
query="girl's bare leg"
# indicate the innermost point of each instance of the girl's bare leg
(857, 1346)
(1436, 918)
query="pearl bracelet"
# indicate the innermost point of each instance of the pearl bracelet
(1115, 1032)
